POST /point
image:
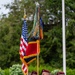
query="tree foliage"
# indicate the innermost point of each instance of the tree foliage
(51, 45)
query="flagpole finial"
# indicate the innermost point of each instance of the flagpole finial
(25, 16)
(25, 13)
(37, 4)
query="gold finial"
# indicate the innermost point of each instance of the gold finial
(25, 14)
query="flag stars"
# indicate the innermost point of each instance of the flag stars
(24, 30)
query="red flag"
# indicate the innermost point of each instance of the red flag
(32, 50)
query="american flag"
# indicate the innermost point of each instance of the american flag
(23, 44)
(23, 40)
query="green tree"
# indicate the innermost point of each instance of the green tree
(51, 45)
(70, 32)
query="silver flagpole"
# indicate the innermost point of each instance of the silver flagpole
(63, 36)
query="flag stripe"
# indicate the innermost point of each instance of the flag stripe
(24, 68)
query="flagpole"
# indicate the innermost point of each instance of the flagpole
(37, 61)
(27, 69)
(37, 5)
(25, 19)
(63, 36)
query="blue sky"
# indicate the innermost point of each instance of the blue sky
(2, 9)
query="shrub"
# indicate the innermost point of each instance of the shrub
(15, 70)
(54, 72)
(1, 72)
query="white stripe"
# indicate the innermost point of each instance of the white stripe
(23, 47)
(21, 36)
(22, 53)
(25, 68)
(24, 40)
(22, 65)
(20, 48)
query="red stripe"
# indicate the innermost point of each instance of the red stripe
(20, 45)
(23, 43)
(24, 67)
(22, 51)
(21, 39)
(21, 56)
(26, 71)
